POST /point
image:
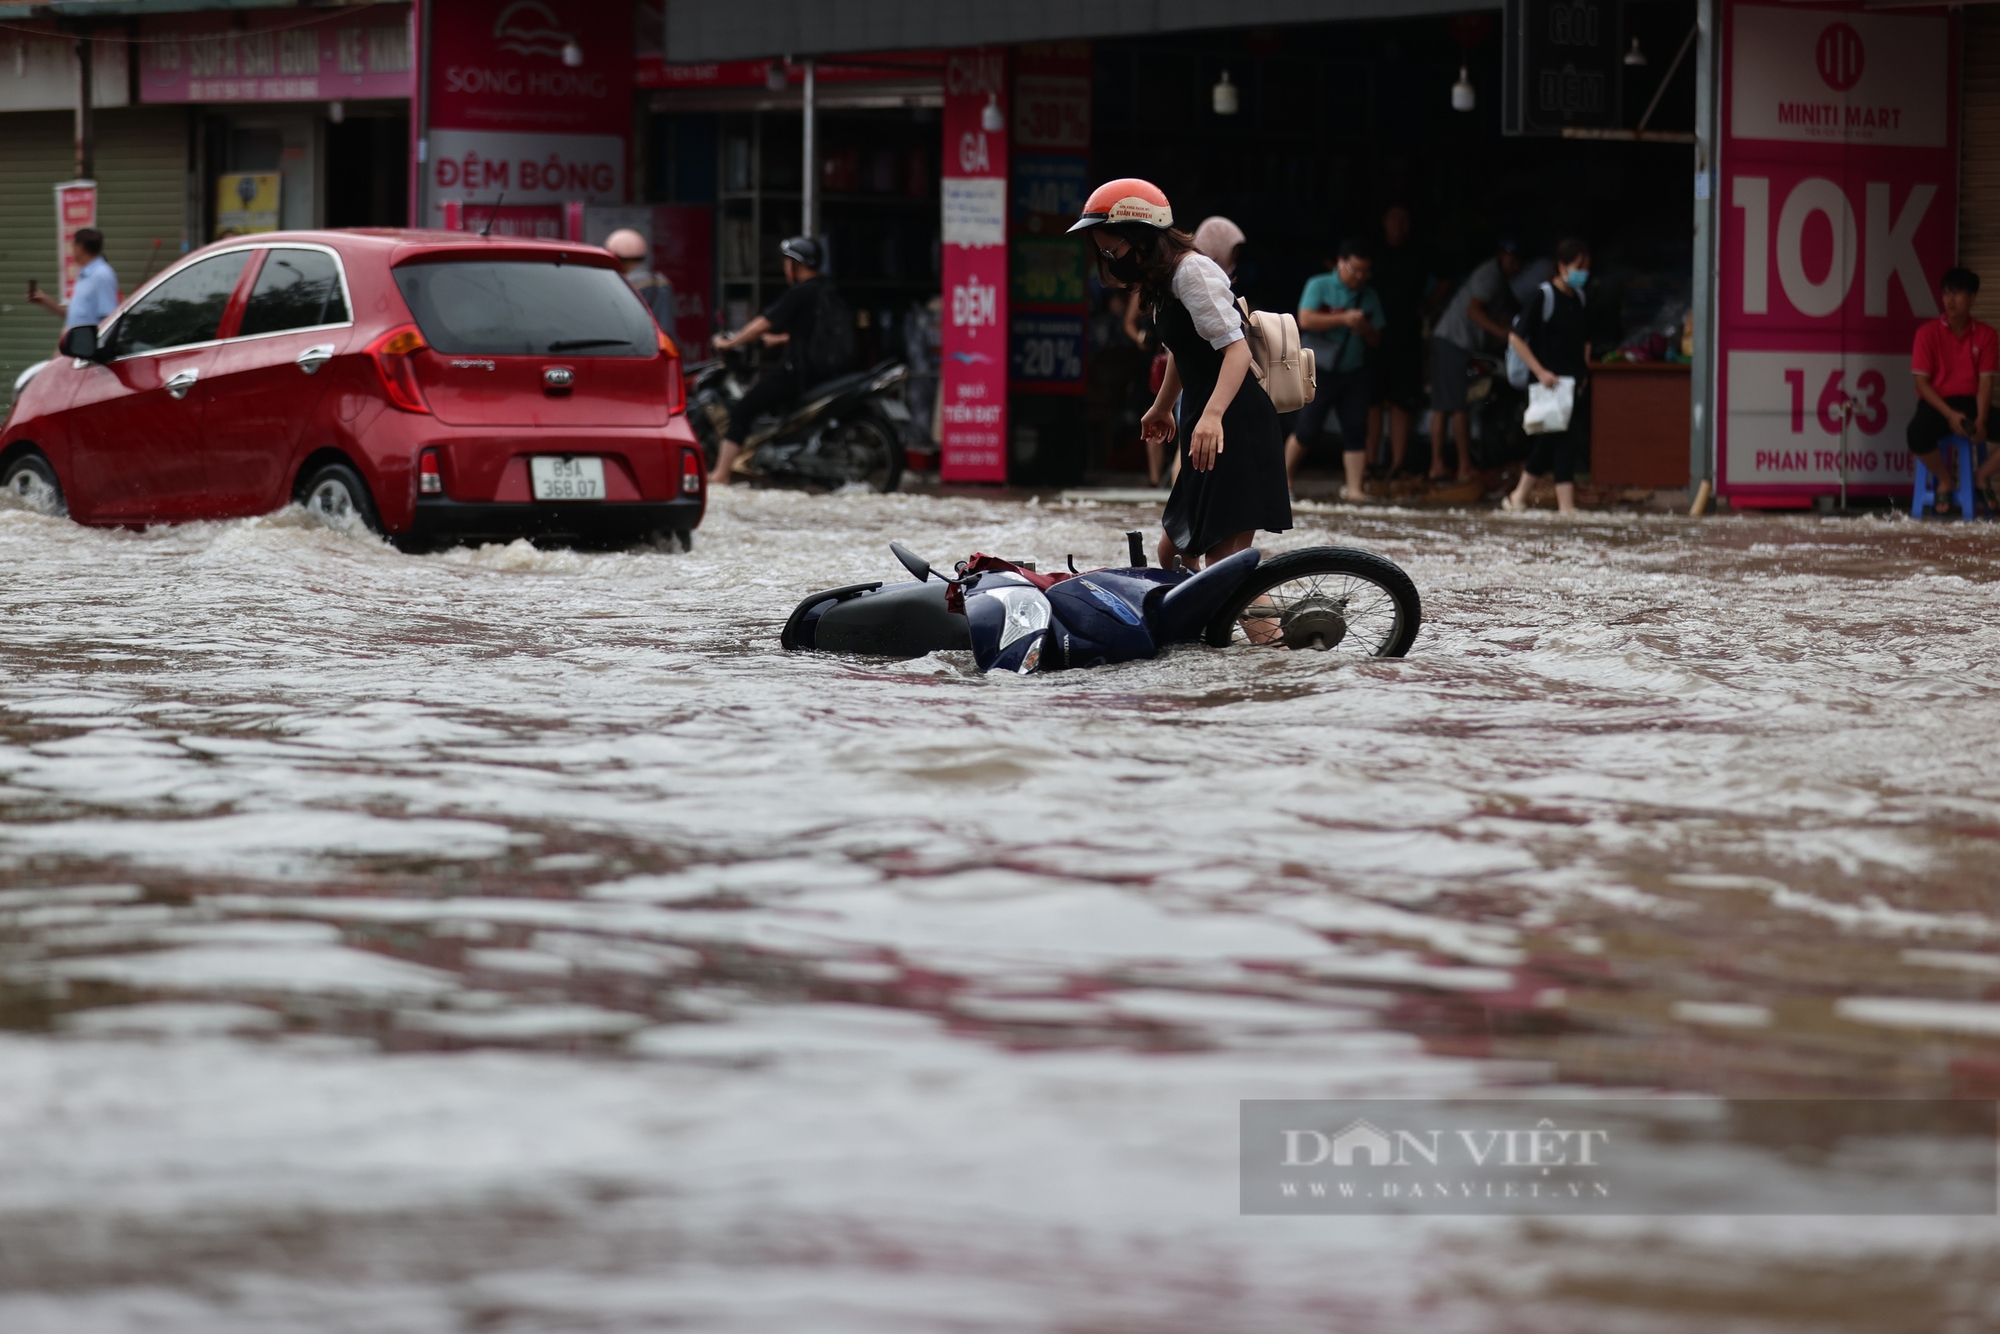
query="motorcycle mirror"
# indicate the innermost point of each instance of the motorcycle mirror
(912, 562)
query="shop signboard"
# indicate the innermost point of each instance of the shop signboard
(269, 55)
(76, 209)
(973, 357)
(650, 71)
(1046, 351)
(1562, 65)
(1051, 180)
(680, 240)
(533, 98)
(1839, 199)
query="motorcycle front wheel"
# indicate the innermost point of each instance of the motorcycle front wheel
(861, 449)
(1329, 599)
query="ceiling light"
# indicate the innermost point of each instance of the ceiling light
(991, 120)
(572, 54)
(1464, 96)
(1635, 57)
(1225, 97)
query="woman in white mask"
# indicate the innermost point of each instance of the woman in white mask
(1551, 336)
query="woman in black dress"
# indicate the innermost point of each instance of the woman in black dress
(1232, 477)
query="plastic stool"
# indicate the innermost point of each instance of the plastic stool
(1923, 497)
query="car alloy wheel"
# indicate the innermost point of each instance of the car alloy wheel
(33, 485)
(337, 497)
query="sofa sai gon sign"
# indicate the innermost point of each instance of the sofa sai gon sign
(1839, 197)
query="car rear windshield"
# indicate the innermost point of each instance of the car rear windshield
(526, 308)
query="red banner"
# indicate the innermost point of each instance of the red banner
(649, 71)
(973, 372)
(540, 66)
(76, 208)
(1838, 200)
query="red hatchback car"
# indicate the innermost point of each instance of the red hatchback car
(432, 386)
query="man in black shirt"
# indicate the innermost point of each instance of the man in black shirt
(1556, 345)
(1410, 289)
(788, 324)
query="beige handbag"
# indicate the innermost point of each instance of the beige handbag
(1284, 368)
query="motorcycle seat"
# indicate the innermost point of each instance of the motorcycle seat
(840, 384)
(1190, 605)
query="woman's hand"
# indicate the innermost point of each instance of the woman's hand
(1547, 377)
(1206, 442)
(1157, 426)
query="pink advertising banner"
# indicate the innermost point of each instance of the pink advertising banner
(973, 379)
(76, 209)
(276, 55)
(1839, 201)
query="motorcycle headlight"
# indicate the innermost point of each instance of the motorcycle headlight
(1027, 613)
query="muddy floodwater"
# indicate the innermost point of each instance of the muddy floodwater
(517, 941)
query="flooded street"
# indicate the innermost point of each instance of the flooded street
(519, 941)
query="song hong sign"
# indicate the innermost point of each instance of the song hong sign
(973, 379)
(1839, 194)
(533, 98)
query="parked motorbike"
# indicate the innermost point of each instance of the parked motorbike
(1013, 619)
(848, 429)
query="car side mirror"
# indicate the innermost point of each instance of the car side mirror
(79, 340)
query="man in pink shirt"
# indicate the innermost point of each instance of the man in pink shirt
(1954, 360)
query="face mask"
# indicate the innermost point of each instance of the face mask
(1577, 277)
(1127, 268)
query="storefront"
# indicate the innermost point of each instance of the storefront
(136, 162)
(300, 120)
(1837, 189)
(1322, 125)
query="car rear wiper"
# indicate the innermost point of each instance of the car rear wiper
(572, 344)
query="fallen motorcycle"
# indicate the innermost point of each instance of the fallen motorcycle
(1014, 619)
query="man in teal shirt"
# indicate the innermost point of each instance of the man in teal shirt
(1340, 319)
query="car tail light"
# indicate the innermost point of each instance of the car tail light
(429, 482)
(394, 354)
(677, 399)
(690, 472)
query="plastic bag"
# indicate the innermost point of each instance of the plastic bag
(1549, 409)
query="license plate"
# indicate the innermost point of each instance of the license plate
(567, 479)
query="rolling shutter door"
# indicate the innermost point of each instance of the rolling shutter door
(1979, 148)
(37, 150)
(141, 189)
(141, 185)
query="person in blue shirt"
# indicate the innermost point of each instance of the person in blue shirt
(1341, 320)
(96, 293)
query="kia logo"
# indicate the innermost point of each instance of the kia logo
(558, 377)
(1839, 56)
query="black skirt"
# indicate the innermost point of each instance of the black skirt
(1246, 489)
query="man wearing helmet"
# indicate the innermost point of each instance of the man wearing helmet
(651, 285)
(1232, 477)
(808, 353)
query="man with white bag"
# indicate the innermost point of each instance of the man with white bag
(1550, 335)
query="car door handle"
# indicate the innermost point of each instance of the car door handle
(314, 357)
(180, 382)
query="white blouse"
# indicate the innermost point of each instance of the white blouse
(1202, 286)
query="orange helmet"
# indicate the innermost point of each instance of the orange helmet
(1127, 199)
